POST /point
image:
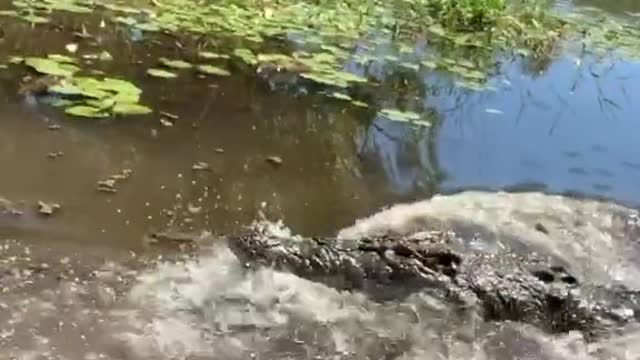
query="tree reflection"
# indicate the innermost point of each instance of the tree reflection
(618, 7)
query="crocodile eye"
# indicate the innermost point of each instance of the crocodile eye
(544, 276)
(568, 279)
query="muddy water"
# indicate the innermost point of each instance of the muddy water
(233, 125)
(79, 306)
(81, 284)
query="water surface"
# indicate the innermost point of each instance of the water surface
(82, 284)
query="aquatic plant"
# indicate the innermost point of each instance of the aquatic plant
(461, 38)
(84, 96)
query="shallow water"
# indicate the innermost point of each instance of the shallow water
(83, 284)
(211, 308)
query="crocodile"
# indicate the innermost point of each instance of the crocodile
(507, 286)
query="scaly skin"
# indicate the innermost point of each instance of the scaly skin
(526, 289)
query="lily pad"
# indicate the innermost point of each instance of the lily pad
(404, 116)
(212, 70)
(118, 85)
(431, 65)
(410, 66)
(326, 79)
(130, 109)
(62, 103)
(246, 55)
(340, 96)
(61, 58)
(359, 103)
(211, 55)
(125, 20)
(66, 88)
(34, 19)
(274, 58)
(68, 6)
(105, 104)
(127, 98)
(120, 8)
(86, 111)
(175, 64)
(150, 27)
(159, 73)
(51, 67)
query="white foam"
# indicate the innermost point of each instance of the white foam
(600, 241)
(211, 308)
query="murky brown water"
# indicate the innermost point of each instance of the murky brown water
(61, 274)
(67, 279)
(232, 124)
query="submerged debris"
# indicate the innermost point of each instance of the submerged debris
(169, 115)
(194, 209)
(55, 155)
(109, 185)
(183, 241)
(8, 207)
(201, 166)
(37, 86)
(47, 208)
(274, 160)
(166, 123)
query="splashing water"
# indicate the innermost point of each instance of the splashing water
(214, 308)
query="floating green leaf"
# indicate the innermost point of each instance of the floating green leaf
(118, 85)
(99, 98)
(340, 96)
(66, 88)
(61, 103)
(159, 73)
(61, 58)
(212, 70)
(85, 111)
(51, 67)
(360, 103)
(404, 116)
(246, 55)
(326, 79)
(34, 19)
(274, 58)
(120, 8)
(70, 7)
(410, 66)
(151, 27)
(429, 64)
(349, 77)
(211, 55)
(125, 20)
(130, 109)
(175, 64)
(103, 105)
